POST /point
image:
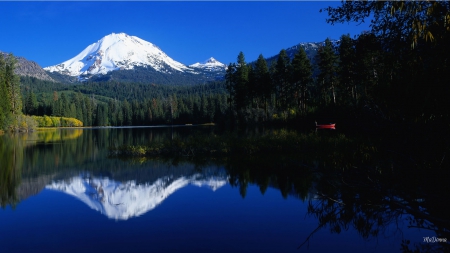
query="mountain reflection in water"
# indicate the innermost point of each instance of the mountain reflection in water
(353, 194)
(124, 200)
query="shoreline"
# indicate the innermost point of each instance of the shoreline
(113, 127)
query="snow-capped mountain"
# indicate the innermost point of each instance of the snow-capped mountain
(124, 200)
(210, 65)
(118, 52)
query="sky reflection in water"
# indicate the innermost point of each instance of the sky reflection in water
(163, 207)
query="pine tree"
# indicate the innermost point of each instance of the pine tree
(64, 105)
(112, 112)
(176, 104)
(211, 109)
(135, 112)
(251, 88)
(56, 107)
(301, 78)
(12, 86)
(4, 102)
(127, 113)
(120, 119)
(77, 101)
(88, 113)
(230, 84)
(204, 108)
(102, 115)
(241, 79)
(31, 103)
(367, 54)
(281, 79)
(263, 82)
(328, 64)
(346, 68)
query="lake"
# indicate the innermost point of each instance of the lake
(61, 191)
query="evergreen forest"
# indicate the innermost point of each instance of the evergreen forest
(397, 73)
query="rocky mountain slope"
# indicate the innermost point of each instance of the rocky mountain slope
(26, 67)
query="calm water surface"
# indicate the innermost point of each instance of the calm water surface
(60, 192)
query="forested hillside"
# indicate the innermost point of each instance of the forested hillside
(394, 74)
(124, 104)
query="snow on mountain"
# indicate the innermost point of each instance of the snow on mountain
(210, 65)
(309, 47)
(124, 200)
(118, 51)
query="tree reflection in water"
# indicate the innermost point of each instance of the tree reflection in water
(351, 183)
(369, 186)
(11, 157)
(372, 204)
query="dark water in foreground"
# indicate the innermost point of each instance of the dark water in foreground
(60, 192)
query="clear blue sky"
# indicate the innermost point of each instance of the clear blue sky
(52, 32)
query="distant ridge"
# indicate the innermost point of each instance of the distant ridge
(210, 65)
(26, 67)
(311, 49)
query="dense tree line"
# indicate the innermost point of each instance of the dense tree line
(11, 117)
(9, 85)
(395, 73)
(263, 91)
(402, 64)
(352, 76)
(125, 104)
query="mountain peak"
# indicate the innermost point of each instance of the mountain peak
(117, 36)
(210, 64)
(211, 60)
(118, 51)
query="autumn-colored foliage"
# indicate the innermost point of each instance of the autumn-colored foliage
(49, 121)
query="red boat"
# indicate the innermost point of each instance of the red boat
(326, 126)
